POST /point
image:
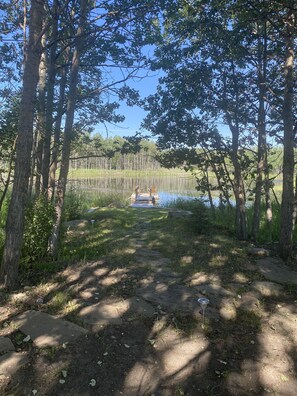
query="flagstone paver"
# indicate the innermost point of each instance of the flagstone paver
(6, 345)
(110, 311)
(267, 289)
(11, 362)
(275, 270)
(172, 297)
(46, 330)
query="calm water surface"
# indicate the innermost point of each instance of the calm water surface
(169, 188)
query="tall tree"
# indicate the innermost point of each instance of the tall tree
(15, 219)
(289, 124)
(68, 132)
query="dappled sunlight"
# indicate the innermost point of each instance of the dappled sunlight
(186, 260)
(244, 380)
(138, 297)
(163, 368)
(200, 278)
(141, 379)
(228, 309)
(114, 277)
(276, 366)
(239, 277)
(218, 261)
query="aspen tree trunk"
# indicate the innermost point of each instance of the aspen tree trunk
(238, 183)
(40, 129)
(68, 133)
(262, 145)
(57, 133)
(50, 102)
(16, 211)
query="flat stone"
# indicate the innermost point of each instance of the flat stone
(267, 289)
(172, 297)
(46, 330)
(167, 276)
(11, 362)
(139, 306)
(258, 252)
(111, 311)
(250, 301)
(106, 312)
(214, 291)
(275, 270)
(6, 345)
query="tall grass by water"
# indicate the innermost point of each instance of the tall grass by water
(205, 219)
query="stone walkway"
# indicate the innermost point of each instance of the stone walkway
(161, 292)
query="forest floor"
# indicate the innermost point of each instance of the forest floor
(134, 292)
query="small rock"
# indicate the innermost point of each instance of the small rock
(64, 373)
(259, 252)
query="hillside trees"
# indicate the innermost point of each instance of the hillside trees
(222, 62)
(90, 51)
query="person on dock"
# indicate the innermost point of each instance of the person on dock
(136, 192)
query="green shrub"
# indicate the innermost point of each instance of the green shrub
(109, 199)
(75, 204)
(200, 221)
(39, 221)
(224, 219)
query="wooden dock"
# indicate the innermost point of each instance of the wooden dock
(144, 200)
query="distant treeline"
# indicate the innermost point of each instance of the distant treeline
(117, 153)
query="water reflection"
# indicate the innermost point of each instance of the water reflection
(169, 187)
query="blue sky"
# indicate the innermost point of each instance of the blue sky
(133, 115)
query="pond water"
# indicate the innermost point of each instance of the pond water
(169, 188)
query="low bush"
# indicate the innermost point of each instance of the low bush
(39, 220)
(201, 220)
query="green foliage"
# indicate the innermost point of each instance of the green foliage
(268, 232)
(200, 221)
(225, 219)
(39, 220)
(111, 200)
(75, 204)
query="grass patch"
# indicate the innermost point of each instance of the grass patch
(62, 304)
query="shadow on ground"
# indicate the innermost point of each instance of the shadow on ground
(146, 334)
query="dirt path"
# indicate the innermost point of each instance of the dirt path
(145, 334)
